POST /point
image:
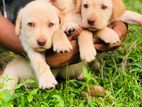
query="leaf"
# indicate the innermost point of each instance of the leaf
(30, 98)
(60, 101)
(85, 71)
(6, 96)
(34, 92)
(24, 83)
(81, 105)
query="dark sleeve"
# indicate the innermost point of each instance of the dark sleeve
(12, 8)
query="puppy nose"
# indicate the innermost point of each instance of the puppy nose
(41, 42)
(91, 22)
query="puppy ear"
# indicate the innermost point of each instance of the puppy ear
(77, 5)
(118, 9)
(18, 23)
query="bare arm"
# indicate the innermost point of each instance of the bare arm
(8, 37)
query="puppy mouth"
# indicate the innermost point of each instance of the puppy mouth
(91, 28)
(40, 49)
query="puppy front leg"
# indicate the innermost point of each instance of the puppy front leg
(108, 35)
(86, 46)
(43, 72)
(44, 75)
(131, 17)
(61, 42)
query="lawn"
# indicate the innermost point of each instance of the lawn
(120, 73)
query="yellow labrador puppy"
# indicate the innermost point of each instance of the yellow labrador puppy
(38, 28)
(96, 15)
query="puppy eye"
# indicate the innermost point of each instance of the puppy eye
(86, 6)
(30, 24)
(103, 7)
(51, 24)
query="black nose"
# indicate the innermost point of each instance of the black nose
(91, 22)
(41, 42)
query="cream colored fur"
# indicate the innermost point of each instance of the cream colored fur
(37, 21)
(101, 13)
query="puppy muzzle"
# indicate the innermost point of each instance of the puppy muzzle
(40, 49)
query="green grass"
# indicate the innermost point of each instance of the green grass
(120, 72)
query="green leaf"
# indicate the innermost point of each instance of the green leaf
(6, 96)
(30, 98)
(34, 92)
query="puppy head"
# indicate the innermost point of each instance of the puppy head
(97, 14)
(36, 24)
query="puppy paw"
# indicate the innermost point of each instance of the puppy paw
(70, 27)
(108, 36)
(88, 54)
(47, 81)
(63, 45)
(112, 38)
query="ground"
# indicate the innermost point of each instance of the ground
(120, 73)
